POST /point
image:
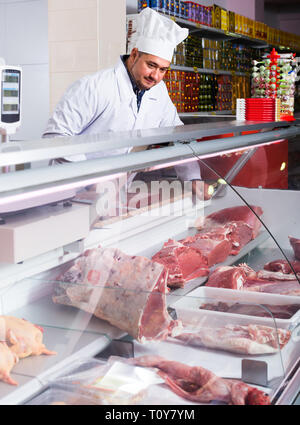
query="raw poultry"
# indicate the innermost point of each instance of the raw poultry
(18, 339)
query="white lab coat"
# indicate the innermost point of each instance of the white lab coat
(105, 101)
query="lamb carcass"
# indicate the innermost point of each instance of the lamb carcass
(7, 361)
(201, 385)
(250, 339)
(183, 263)
(127, 291)
(22, 337)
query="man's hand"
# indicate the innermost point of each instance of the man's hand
(202, 190)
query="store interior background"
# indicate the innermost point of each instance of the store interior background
(24, 41)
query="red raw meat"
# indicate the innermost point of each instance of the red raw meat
(296, 246)
(183, 263)
(238, 233)
(283, 266)
(242, 277)
(127, 291)
(288, 287)
(213, 251)
(227, 277)
(249, 339)
(201, 385)
(268, 275)
(240, 213)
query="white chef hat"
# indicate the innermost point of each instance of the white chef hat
(158, 35)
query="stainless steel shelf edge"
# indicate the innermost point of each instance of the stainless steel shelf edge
(18, 184)
(57, 147)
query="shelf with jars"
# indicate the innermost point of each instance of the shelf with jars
(217, 22)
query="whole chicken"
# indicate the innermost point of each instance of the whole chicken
(22, 337)
(7, 361)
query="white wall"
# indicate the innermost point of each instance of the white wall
(24, 42)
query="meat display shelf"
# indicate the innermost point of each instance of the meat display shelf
(26, 288)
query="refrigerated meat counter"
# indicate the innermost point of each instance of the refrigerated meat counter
(119, 250)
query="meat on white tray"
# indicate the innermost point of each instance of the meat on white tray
(250, 339)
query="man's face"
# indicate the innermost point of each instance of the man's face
(147, 70)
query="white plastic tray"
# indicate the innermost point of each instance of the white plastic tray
(189, 306)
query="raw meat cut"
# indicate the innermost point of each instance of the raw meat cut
(280, 311)
(127, 291)
(239, 213)
(251, 339)
(296, 246)
(288, 287)
(201, 385)
(269, 275)
(213, 251)
(237, 233)
(242, 277)
(283, 266)
(7, 361)
(227, 277)
(183, 263)
(22, 337)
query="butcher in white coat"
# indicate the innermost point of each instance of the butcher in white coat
(129, 96)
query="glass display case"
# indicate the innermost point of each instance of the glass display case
(162, 270)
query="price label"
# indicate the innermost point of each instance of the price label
(195, 69)
(216, 72)
(198, 25)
